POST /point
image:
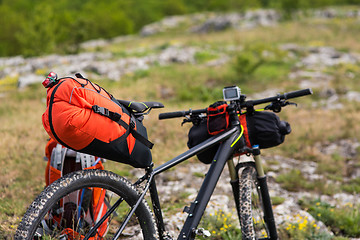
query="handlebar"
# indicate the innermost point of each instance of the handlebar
(243, 104)
(298, 93)
(285, 96)
(181, 113)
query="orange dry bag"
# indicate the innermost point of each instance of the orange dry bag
(82, 116)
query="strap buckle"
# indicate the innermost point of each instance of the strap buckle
(105, 112)
(101, 110)
(132, 123)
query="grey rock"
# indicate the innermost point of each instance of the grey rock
(26, 80)
(353, 96)
(162, 25)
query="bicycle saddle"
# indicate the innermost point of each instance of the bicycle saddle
(140, 107)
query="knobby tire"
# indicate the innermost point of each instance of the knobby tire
(141, 227)
(253, 225)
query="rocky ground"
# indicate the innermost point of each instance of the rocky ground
(185, 179)
(309, 69)
(96, 65)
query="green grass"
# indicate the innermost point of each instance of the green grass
(294, 181)
(277, 200)
(205, 56)
(8, 84)
(352, 186)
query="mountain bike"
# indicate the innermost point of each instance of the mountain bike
(128, 214)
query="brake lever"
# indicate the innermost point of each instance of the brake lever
(186, 120)
(193, 118)
(290, 103)
(278, 105)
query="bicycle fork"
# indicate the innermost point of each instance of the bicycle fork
(264, 191)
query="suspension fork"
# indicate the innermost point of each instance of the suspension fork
(234, 181)
(262, 182)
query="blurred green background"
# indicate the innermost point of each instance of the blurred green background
(41, 26)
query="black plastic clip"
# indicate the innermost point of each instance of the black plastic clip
(105, 112)
(190, 210)
(101, 110)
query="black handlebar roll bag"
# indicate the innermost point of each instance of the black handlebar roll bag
(264, 129)
(261, 128)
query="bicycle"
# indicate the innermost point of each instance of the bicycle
(128, 213)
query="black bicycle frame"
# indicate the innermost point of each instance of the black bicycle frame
(229, 142)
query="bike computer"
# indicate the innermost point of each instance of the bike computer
(231, 93)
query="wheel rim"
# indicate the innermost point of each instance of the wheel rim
(63, 219)
(45, 218)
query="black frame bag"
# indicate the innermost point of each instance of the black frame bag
(198, 133)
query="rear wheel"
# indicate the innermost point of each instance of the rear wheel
(253, 225)
(54, 215)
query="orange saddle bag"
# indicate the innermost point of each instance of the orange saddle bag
(84, 117)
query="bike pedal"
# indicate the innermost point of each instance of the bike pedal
(202, 232)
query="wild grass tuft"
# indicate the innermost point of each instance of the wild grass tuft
(342, 220)
(302, 228)
(221, 226)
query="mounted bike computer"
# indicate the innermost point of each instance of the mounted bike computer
(231, 93)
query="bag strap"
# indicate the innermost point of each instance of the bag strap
(245, 125)
(50, 115)
(116, 117)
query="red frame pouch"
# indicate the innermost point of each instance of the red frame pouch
(217, 117)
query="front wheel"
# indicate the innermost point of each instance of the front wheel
(253, 225)
(72, 205)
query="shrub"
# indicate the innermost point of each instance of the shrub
(344, 220)
(302, 228)
(293, 181)
(221, 226)
(257, 57)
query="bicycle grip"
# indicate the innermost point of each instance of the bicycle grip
(298, 93)
(171, 115)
